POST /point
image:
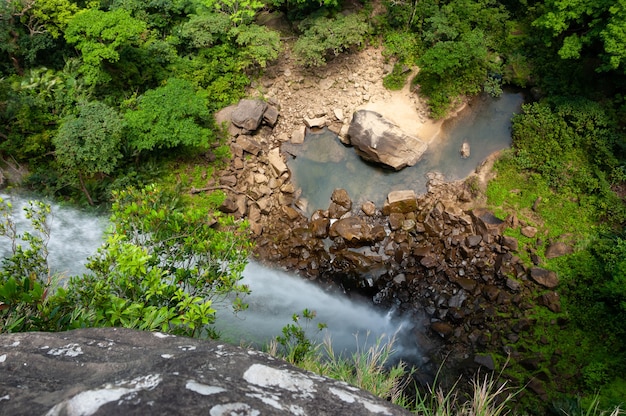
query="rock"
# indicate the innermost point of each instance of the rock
(528, 231)
(340, 205)
(473, 240)
(277, 162)
(115, 371)
(379, 141)
(509, 242)
(558, 249)
(248, 114)
(353, 230)
(551, 301)
(395, 221)
(297, 136)
(486, 223)
(319, 227)
(368, 208)
(486, 361)
(318, 122)
(249, 145)
(535, 206)
(465, 150)
(544, 277)
(400, 202)
(270, 116)
(228, 180)
(229, 206)
(443, 329)
(338, 113)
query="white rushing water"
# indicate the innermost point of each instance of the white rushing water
(74, 235)
(275, 297)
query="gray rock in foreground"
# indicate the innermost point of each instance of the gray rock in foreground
(380, 141)
(107, 371)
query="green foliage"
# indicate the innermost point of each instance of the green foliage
(396, 80)
(100, 36)
(169, 116)
(89, 142)
(296, 343)
(577, 28)
(164, 267)
(404, 46)
(453, 68)
(322, 36)
(571, 142)
(238, 11)
(24, 276)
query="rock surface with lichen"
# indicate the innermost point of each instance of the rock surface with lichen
(109, 371)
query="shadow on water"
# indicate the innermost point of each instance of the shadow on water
(323, 164)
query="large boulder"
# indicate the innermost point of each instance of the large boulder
(248, 114)
(378, 140)
(107, 371)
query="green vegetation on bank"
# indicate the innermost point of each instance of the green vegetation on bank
(102, 99)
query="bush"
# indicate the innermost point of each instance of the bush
(323, 36)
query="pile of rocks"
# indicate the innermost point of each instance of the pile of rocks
(434, 256)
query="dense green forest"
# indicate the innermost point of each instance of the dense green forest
(106, 103)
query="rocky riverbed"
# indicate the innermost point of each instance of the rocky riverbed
(440, 257)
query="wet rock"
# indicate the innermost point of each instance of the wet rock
(340, 203)
(320, 227)
(429, 261)
(368, 208)
(378, 140)
(115, 371)
(400, 202)
(544, 277)
(248, 114)
(465, 150)
(442, 329)
(395, 221)
(352, 230)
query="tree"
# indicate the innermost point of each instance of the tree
(164, 267)
(453, 68)
(100, 36)
(322, 36)
(89, 143)
(169, 116)
(578, 27)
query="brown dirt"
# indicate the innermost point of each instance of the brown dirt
(348, 82)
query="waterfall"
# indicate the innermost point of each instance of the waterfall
(276, 295)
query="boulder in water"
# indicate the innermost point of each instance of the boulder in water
(378, 140)
(465, 150)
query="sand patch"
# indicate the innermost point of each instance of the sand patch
(403, 109)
